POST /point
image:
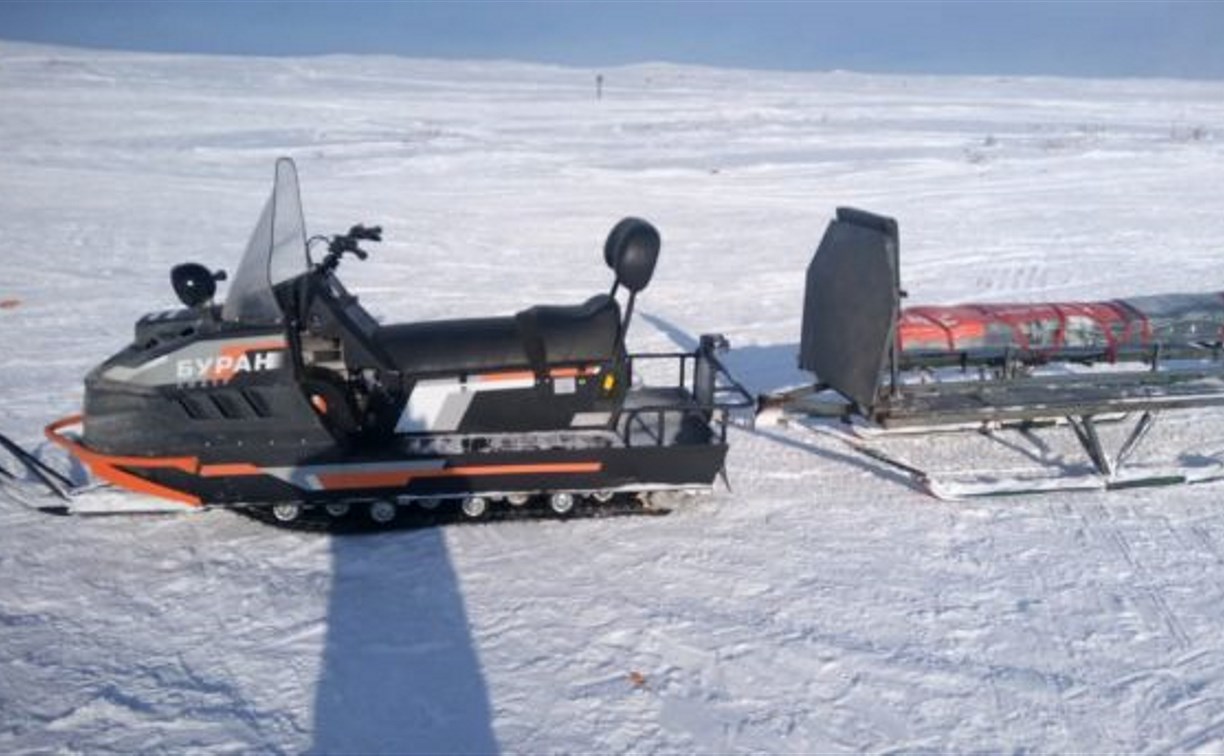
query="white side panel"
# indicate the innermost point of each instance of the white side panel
(439, 405)
(428, 403)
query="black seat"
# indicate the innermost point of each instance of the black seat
(585, 333)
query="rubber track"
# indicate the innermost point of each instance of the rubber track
(316, 520)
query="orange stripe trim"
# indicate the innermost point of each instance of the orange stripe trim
(87, 455)
(135, 483)
(235, 468)
(572, 372)
(521, 375)
(340, 481)
(479, 470)
(106, 466)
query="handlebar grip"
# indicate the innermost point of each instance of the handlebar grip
(371, 233)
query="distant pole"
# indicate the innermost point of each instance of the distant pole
(598, 86)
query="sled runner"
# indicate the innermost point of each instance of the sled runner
(991, 367)
(292, 401)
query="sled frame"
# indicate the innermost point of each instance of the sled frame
(851, 308)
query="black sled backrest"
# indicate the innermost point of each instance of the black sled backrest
(851, 304)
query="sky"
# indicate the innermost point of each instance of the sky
(1105, 38)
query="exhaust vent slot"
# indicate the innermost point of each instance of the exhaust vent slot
(227, 405)
(257, 403)
(194, 409)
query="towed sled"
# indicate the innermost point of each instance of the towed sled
(882, 370)
(289, 401)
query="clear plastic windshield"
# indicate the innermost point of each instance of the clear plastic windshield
(275, 253)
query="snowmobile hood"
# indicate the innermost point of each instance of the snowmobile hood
(275, 253)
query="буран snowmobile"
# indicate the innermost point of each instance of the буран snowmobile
(291, 401)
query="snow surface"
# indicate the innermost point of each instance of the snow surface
(821, 606)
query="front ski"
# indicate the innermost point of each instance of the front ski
(38, 486)
(30, 496)
(55, 481)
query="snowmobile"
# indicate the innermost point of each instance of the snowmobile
(882, 369)
(290, 401)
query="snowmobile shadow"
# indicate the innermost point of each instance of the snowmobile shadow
(766, 368)
(400, 672)
(761, 368)
(852, 460)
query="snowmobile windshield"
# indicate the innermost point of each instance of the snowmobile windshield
(275, 253)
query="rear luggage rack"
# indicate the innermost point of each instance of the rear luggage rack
(696, 408)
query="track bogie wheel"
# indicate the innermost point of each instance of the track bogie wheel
(287, 511)
(382, 511)
(562, 502)
(475, 507)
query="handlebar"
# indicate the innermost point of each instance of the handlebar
(338, 245)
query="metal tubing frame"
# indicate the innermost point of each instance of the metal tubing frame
(1085, 430)
(713, 412)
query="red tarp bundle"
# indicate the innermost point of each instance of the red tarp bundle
(1137, 322)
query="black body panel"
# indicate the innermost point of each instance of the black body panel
(201, 423)
(537, 408)
(191, 383)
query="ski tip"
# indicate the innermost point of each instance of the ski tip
(59, 510)
(933, 489)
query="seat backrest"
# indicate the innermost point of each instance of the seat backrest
(631, 251)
